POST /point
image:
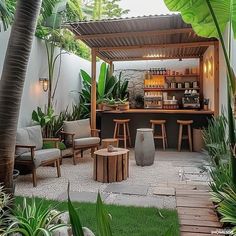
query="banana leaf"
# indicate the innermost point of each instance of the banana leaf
(102, 80)
(198, 15)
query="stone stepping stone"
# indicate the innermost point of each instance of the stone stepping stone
(82, 196)
(166, 191)
(127, 189)
(144, 201)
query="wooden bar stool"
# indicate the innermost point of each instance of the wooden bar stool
(183, 123)
(163, 135)
(126, 133)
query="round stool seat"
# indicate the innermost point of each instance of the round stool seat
(185, 122)
(158, 122)
(121, 121)
(109, 141)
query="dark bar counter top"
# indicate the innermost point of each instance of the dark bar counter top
(140, 118)
(161, 111)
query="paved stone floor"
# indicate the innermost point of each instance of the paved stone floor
(146, 186)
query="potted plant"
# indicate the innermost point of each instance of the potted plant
(139, 101)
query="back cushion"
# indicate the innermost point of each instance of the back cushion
(81, 128)
(29, 136)
(35, 136)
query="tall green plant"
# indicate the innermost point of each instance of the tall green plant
(215, 140)
(209, 18)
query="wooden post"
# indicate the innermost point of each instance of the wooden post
(216, 78)
(111, 68)
(201, 77)
(93, 90)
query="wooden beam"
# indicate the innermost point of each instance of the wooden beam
(149, 46)
(111, 68)
(103, 58)
(216, 79)
(135, 34)
(153, 58)
(93, 90)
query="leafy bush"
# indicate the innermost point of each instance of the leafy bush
(214, 138)
(33, 219)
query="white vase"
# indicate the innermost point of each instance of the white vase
(144, 147)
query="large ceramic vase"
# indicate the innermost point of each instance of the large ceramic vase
(144, 147)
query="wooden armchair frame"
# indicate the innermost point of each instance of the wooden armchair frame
(31, 164)
(79, 149)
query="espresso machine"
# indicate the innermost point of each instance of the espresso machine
(191, 100)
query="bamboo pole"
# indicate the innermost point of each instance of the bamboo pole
(93, 90)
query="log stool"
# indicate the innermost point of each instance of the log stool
(163, 135)
(183, 123)
(126, 133)
(111, 167)
(109, 141)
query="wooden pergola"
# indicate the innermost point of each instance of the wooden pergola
(143, 38)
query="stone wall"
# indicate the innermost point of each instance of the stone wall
(136, 81)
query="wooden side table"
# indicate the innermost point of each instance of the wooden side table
(109, 141)
(111, 166)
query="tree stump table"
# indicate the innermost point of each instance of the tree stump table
(111, 166)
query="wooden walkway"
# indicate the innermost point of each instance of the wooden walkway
(196, 211)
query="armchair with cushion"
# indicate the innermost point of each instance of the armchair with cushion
(80, 136)
(30, 152)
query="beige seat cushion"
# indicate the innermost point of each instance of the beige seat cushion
(81, 128)
(41, 156)
(29, 136)
(87, 141)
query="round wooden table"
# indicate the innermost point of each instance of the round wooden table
(111, 166)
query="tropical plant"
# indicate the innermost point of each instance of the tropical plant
(5, 15)
(32, 218)
(12, 82)
(215, 140)
(209, 19)
(103, 219)
(5, 217)
(120, 90)
(44, 119)
(105, 84)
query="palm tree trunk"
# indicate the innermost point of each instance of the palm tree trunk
(12, 83)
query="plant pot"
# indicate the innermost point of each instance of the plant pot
(16, 173)
(100, 106)
(198, 142)
(107, 107)
(123, 106)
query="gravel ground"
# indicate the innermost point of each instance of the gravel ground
(169, 168)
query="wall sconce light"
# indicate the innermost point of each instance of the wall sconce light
(45, 83)
(210, 66)
(205, 68)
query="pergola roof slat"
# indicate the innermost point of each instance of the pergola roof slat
(159, 36)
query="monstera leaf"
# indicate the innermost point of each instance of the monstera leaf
(196, 13)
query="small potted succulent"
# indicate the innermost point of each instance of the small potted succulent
(139, 101)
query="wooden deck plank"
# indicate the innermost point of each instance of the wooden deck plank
(205, 223)
(213, 218)
(197, 229)
(193, 234)
(195, 210)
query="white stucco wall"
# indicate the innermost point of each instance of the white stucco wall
(33, 94)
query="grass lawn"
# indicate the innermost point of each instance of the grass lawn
(132, 221)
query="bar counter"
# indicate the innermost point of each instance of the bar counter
(140, 118)
(162, 111)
